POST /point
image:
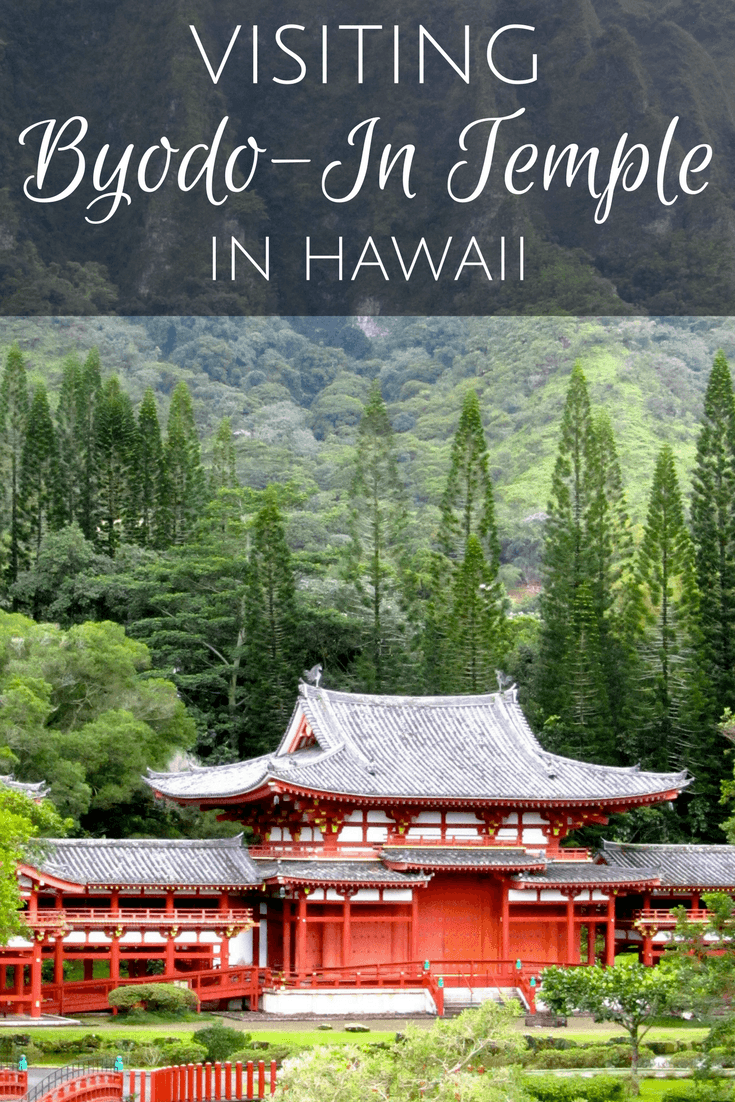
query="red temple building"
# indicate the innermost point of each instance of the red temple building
(410, 850)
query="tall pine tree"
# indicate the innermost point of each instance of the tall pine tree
(185, 483)
(668, 688)
(465, 615)
(39, 475)
(713, 533)
(149, 477)
(587, 555)
(377, 525)
(67, 437)
(467, 506)
(89, 385)
(222, 474)
(115, 446)
(475, 626)
(13, 421)
(273, 658)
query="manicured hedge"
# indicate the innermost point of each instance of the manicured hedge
(153, 996)
(599, 1088)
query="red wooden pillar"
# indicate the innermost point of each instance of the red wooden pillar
(88, 965)
(505, 922)
(36, 979)
(59, 961)
(610, 932)
(415, 924)
(18, 979)
(648, 946)
(571, 939)
(591, 934)
(346, 929)
(287, 935)
(301, 936)
(256, 942)
(170, 901)
(224, 901)
(115, 958)
(647, 934)
(170, 954)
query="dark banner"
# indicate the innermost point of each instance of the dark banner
(396, 158)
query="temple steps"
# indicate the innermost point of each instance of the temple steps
(457, 999)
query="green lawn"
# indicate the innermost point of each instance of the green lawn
(183, 1031)
(653, 1089)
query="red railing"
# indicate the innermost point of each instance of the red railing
(77, 996)
(652, 916)
(438, 976)
(317, 849)
(214, 1082)
(139, 918)
(97, 1086)
(13, 1083)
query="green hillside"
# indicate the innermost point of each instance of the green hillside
(294, 389)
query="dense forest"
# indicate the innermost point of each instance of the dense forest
(197, 510)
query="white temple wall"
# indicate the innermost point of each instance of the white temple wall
(241, 948)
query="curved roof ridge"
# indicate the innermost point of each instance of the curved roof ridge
(478, 748)
(209, 769)
(234, 841)
(689, 846)
(386, 700)
(683, 777)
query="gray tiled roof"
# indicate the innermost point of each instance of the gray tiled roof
(476, 748)
(218, 862)
(561, 873)
(679, 866)
(36, 790)
(460, 857)
(370, 872)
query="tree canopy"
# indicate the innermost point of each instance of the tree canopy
(441, 1064)
(79, 713)
(628, 993)
(22, 823)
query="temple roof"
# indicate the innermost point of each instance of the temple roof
(562, 874)
(459, 858)
(36, 791)
(683, 866)
(370, 872)
(137, 862)
(455, 748)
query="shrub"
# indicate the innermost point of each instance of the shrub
(588, 1056)
(601, 1088)
(183, 1052)
(12, 1043)
(165, 997)
(685, 1059)
(722, 1057)
(700, 1091)
(220, 1041)
(148, 1056)
(279, 1053)
(663, 1048)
